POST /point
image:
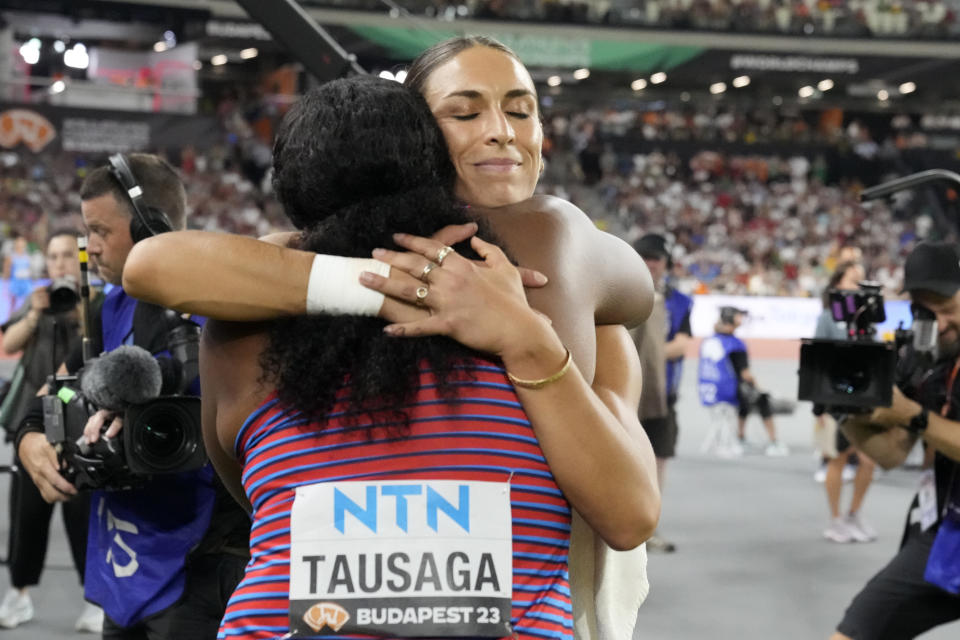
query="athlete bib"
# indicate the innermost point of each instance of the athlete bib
(401, 558)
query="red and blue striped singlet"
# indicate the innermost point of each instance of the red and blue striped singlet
(481, 433)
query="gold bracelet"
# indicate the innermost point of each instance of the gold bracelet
(542, 382)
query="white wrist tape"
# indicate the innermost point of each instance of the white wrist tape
(334, 288)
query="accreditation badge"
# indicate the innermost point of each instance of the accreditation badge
(401, 558)
(927, 500)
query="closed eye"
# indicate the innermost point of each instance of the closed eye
(469, 116)
(517, 114)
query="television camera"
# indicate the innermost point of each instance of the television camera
(858, 374)
(161, 432)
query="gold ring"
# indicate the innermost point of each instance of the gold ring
(430, 266)
(422, 293)
(442, 253)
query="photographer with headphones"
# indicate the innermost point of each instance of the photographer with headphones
(728, 388)
(162, 559)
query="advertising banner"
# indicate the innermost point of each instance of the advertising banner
(45, 127)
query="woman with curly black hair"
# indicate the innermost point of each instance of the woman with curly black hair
(399, 487)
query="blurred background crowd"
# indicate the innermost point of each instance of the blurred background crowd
(749, 160)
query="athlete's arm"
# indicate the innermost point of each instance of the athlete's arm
(618, 381)
(218, 275)
(237, 278)
(627, 295)
(601, 469)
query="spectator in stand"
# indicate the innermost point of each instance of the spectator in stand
(865, 18)
(743, 224)
(17, 271)
(835, 446)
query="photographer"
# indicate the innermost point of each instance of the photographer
(163, 558)
(728, 387)
(918, 589)
(46, 328)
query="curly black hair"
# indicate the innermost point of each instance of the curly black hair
(356, 161)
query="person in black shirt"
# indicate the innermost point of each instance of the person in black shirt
(900, 601)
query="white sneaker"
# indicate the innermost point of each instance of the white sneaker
(15, 609)
(776, 450)
(838, 531)
(661, 545)
(860, 530)
(849, 472)
(733, 450)
(90, 620)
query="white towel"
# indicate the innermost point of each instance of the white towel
(607, 587)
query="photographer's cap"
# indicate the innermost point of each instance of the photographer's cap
(652, 245)
(729, 314)
(933, 266)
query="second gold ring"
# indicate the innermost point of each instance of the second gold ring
(442, 253)
(430, 266)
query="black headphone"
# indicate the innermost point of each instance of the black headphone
(146, 221)
(728, 315)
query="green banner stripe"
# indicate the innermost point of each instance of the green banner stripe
(639, 56)
(538, 51)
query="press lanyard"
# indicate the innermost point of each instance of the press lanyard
(945, 409)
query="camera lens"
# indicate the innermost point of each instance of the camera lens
(850, 380)
(160, 436)
(64, 295)
(162, 440)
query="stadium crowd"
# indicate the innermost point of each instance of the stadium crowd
(741, 224)
(742, 219)
(840, 18)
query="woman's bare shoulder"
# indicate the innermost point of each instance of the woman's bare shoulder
(545, 207)
(560, 239)
(550, 222)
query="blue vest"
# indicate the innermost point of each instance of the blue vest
(139, 539)
(716, 375)
(678, 307)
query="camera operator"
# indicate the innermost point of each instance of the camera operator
(163, 559)
(46, 328)
(728, 387)
(918, 589)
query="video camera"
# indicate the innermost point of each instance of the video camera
(161, 433)
(859, 374)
